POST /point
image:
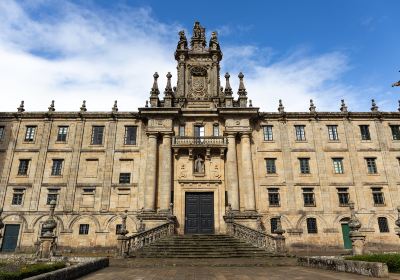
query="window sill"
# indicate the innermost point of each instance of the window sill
(305, 175)
(310, 205)
(373, 174)
(131, 145)
(61, 142)
(301, 141)
(274, 206)
(268, 141)
(379, 205)
(22, 176)
(366, 141)
(28, 142)
(343, 205)
(333, 141)
(199, 174)
(272, 175)
(56, 176)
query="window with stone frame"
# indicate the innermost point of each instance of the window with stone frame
(30, 133)
(312, 225)
(270, 165)
(364, 130)
(395, 132)
(274, 224)
(97, 135)
(338, 165)
(215, 130)
(268, 134)
(118, 228)
(84, 229)
(377, 196)
(62, 134)
(308, 197)
(333, 133)
(182, 130)
(371, 165)
(304, 165)
(383, 224)
(130, 135)
(23, 167)
(2, 133)
(56, 169)
(273, 197)
(124, 178)
(300, 132)
(52, 194)
(17, 197)
(343, 196)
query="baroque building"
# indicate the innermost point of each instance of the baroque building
(194, 151)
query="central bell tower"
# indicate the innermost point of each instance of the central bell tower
(198, 68)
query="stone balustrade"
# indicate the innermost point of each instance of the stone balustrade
(199, 141)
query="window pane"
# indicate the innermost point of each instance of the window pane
(62, 133)
(304, 165)
(300, 132)
(50, 197)
(30, 133)
(97, 135)
(57, 167)
(118, 228)
(84, 229)
(17, 198)
(181, 130)
(343, 196)
(308, 197)
(338, 165)
(130, 135)
(274, 224)
(371, 165)
(312, 225)
(383, 224)
(23, 166)
(268, 133)
(273, 197)
(271, 168)
(124, 178)
(378, 197)
(332, 132)
(216, 130)
(364, 129)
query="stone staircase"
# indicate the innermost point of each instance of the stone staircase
(200, 246)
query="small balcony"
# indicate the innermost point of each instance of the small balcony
(208, 141)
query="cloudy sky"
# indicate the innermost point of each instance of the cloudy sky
(103, 51)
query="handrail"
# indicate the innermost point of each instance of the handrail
(141, 239)
(204, 140)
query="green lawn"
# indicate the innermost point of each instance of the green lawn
(17, 271)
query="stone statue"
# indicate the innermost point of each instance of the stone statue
(199, 165)
(214, 44)
(196, 30)
(182, 44)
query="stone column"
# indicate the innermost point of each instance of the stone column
(232, 173)
(247, 175)
(151, 174)
(165, 174)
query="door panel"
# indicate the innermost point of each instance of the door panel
(346, 236)
(10, 238)
(199, 216)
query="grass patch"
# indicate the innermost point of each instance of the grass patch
(392, 260)
(27, 270)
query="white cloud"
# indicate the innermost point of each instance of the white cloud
(82, 53)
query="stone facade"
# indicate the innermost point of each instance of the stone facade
(303, 167)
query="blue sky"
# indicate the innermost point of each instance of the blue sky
(103, 51)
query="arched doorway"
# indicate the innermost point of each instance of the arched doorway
(346, 233)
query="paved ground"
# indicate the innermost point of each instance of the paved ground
(220, 273)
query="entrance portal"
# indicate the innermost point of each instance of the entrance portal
(346, 236)
(199, 213)
(10, 238)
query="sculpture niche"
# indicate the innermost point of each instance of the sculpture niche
(199, 165)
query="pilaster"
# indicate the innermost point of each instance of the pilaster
(151, 173)
(165, 173)
(232, 172)
(247, 188)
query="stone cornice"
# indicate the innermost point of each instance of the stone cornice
(330, 115)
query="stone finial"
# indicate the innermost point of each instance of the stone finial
(114, 108)
(228, 89)
(147, 104)
(51, 107)
(168, 88)
(83, 107)
(154, 90)
(374, 108)
(214, 44)
(250, 103)
(312, 106)
(242, 89)
(50, 224)
(182, 44)
(21, 107)
(354, 223)
(281, 109)
(343, 107)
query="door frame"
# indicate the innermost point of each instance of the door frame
(213, 209)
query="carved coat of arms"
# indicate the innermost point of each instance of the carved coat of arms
(198, 83)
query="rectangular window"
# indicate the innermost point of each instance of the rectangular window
(273, 197)
(2, 133)
(124, 178)
(371, 165)
(30, 133)
(268, 136)
(62, 133)
(130, 135)
(312, 225)
(395, 132)
(383, 224)
(23, 167)
(83, 229)
(52, 195)
(56, 169)
(332, 132)
(198, 131)
(274, 224)
(97, 135)
(300, 132)
(308, 197)
(215, 130)
(343, 196)
(182, 130)
(364, 130)
(338, 165)
(17, 197)
(271, 167)
(304, 165)
(378, 197)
